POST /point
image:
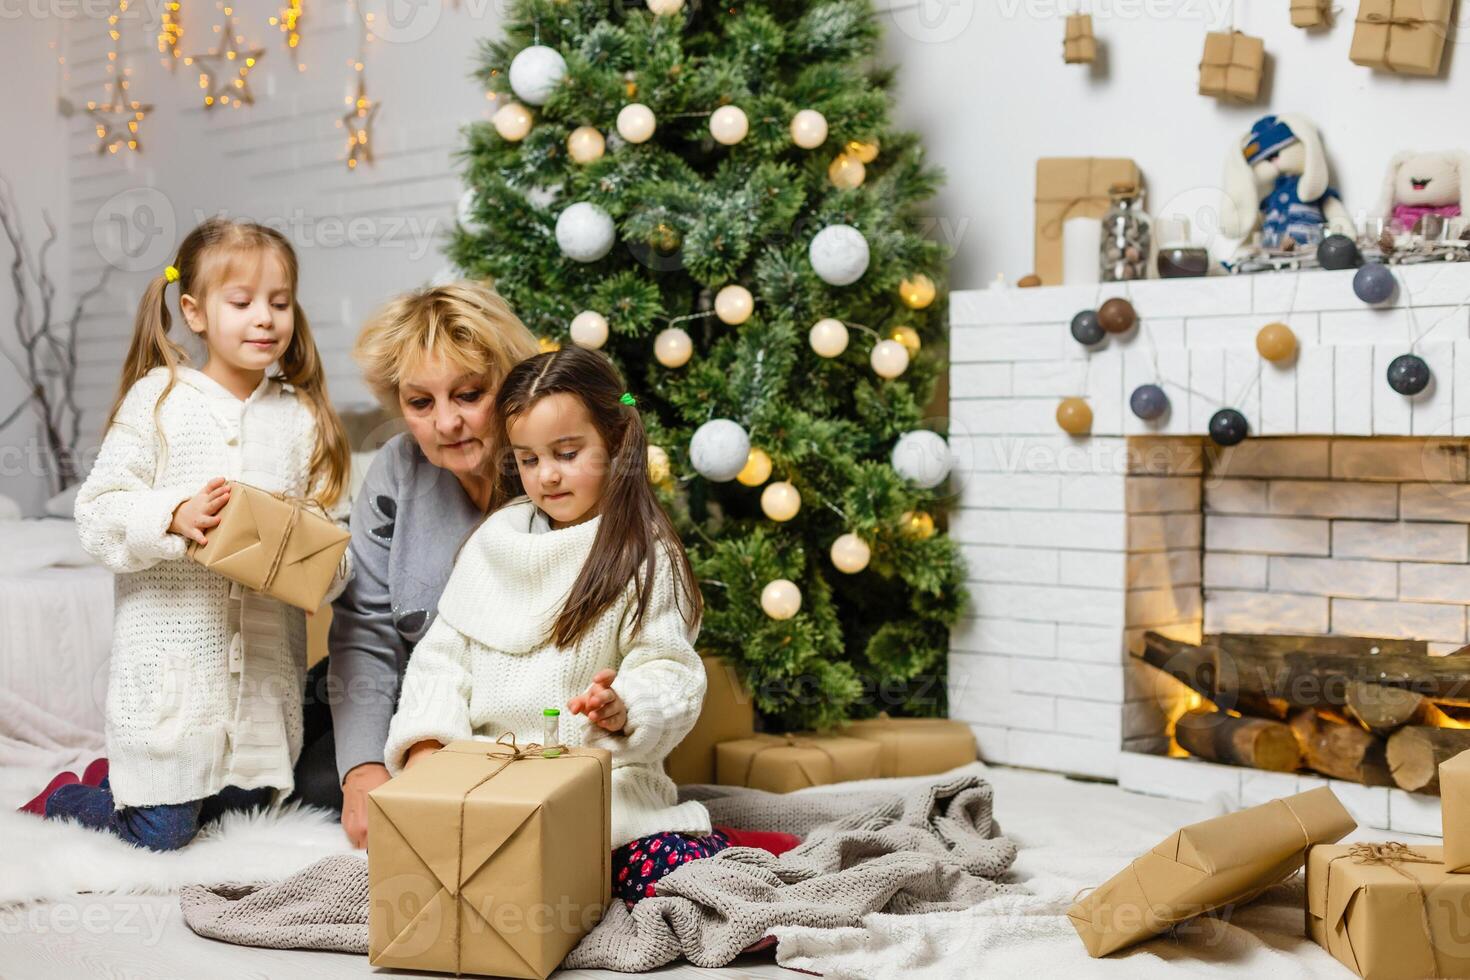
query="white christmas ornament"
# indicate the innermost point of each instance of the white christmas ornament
(663, 8)
(839, 254)
(728, 125)
(922, 457)
(535, 71)
(719, 449)
(585, 144)
(636, 122)
(780, 501)
(733, 304)
(584, 232)
(808, 129)
(828, 337)
(512, 121)
(850, 554)
(781, 599)
(589, 329)
(673, 348)
(889, 358)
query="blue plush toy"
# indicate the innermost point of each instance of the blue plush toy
(1278, 175)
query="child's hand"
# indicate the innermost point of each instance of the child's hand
(420, 751)
(601, 703)
(199, 511)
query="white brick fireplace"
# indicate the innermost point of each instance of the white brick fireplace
(1346, 511)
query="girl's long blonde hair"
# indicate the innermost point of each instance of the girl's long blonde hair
(203, 260)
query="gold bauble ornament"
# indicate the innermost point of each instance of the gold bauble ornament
(781, 599)
(1276, 342)
(659, 468)
(917, 291)
(673, 348)
(1074, 416)
(865, 152)
(757, 468)
(907, 336)
(733, 304)
(808, 129)
(728, 125)
(850, 554)
(512, 121)
(828, 337)
(585, 144)
(889, 359)
(780, 501)
(846, 171)
(666, 238)
(917, 524)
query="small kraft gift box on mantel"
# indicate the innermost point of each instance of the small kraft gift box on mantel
(782, 763)
(274, 545)
(1232, 66)
(489, 859)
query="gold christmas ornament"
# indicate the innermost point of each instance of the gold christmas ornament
(889, 359)
(512, 121)
(907, 336)
(828, 337)
(589, 329)
(1074, 416)
(846, 171)
(916, 524)
(728, 125)
(808, 129)
(733, 304)
(547, 344)
(659, 468)
(780, 500)
(1276, 342)
(865, 152)
(636, 122)
(781, 599)
(757, 468)
(585, 144)
(666, 239)
(225, 71)
(673, 348)
(850, 554)
(917, 291)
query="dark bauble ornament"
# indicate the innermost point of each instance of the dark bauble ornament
(1374, 284)
(1228, 427)
(1148, 402)
(1117, 315)
(1086, 330)
(1339, 252)
(1408, 374)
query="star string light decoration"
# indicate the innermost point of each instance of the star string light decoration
(225, 70)
(358, 121)
(288, 20)
(170, 33)
(117, 119)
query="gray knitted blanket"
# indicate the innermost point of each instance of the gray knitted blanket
(933, 848)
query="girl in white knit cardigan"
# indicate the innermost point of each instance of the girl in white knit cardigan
(574, 592)
(203, 711)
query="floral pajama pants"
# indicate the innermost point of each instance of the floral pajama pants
(639, 863)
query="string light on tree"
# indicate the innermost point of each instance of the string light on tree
(889, 359)
(850, 554)
(916, 524)
(828, 337)
(846, 172)
(224, 74)
(728, 125)
(865, 151)
(757, 468)
(808, 129)
(672, 348)
(781, 599)
(907, 336)
(734, 304)
(780, 501)
(117, 119)
(665, 8)
(636, 122)
(512, 121)
(917, 291)
(585, 144)
(719, 449)
(535, 72)
(589, 329)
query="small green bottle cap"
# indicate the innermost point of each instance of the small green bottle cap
(551, 712)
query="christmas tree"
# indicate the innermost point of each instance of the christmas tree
(713, 197)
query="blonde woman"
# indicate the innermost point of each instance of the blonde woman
(437, 357)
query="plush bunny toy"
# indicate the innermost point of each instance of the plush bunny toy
(1420, 184)
(1279, 172)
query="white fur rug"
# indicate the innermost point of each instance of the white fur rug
(51, 859)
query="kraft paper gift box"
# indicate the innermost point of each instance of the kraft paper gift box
(1079, 47)
(782, 763)
(489, 860)
(916, 746)
(1388, 911)
(1454, 803)
(1309, 13)
(1403, 36)
(1072, 187)
(1231, 67)
(1222, 861)
(273, 545)
(728, 713)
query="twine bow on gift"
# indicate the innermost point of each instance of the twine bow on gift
(1393, 854)
(297, 505)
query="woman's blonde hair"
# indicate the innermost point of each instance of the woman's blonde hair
(466, 323)
(204, 261)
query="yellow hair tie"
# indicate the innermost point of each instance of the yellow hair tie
(170, 273)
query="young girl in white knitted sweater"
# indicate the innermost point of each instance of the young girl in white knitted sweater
(575, 591)
(203, 709)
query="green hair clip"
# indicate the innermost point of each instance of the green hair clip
(628, 399)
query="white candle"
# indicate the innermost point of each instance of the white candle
(1081, 242)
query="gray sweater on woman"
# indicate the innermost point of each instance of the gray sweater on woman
(408, 522)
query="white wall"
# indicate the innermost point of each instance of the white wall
(984, 82)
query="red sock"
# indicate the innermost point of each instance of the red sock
(767, 840)
(95, 772)
(38, 805)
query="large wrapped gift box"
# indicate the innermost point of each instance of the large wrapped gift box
(1232, 66)
(1073, 187)
(1079, 46)
(489, 860)
(1222, 861)
(1403, 36)
(728, 713)
(916, 746)
(274, 545)
(782, 763)
(1389, 911)
(1454, 803)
